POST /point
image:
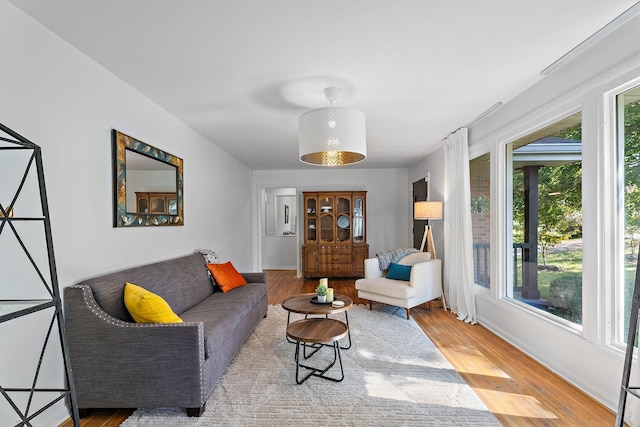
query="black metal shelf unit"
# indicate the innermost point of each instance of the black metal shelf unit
(625, 388)
(29, 287)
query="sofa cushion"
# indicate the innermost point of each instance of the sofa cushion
(147, 307)
(182, 282)
(399, 272)
(415, 258)
(226, 276)
(388, 287)
(221, 313)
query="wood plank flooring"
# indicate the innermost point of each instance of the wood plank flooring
(516, 389)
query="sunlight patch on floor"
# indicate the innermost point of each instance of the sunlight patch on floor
(422, 360)
(381, 387)
(415, 390)
(474, 362)
(500, 402)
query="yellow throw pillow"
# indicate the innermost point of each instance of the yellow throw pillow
(147, 307)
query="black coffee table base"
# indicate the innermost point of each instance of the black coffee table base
(318, 372)
(316, 333)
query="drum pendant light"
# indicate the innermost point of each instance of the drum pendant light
(332, 136)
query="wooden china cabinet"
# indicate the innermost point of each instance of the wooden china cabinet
(335, 243)
(157, 203)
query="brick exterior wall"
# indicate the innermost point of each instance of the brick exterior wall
(481, 222)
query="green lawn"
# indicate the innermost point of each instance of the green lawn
(570, 263)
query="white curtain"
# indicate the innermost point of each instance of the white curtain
(458, 248)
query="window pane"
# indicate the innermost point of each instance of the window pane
(629, 196)
(480, 217)
(545, 265)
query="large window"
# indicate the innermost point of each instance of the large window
(628, 118)
(545, 208)
(480, 185)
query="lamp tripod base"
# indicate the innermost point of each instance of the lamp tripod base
(427, 238)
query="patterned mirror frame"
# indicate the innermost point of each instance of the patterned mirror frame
(122, 218)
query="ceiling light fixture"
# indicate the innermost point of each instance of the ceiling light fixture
(332, 136)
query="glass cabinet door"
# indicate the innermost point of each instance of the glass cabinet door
(311, 230)
(158, 205)
(326, 219)
(358, 218)
(343, 218)
(143, 204)
(172, 206)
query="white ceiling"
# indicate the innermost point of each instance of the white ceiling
(242, 72)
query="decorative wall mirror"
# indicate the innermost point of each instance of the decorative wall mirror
(147, 184)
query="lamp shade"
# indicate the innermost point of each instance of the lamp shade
(427, 210)
(332, 136)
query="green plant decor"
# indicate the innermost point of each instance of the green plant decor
(480, 205)
(321, 291)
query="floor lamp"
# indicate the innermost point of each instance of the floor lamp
(426, 211)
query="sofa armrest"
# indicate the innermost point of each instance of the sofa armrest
(426, 277)
(257, 277)
(372, 269)
(123, 364)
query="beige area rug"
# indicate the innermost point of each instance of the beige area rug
(394, 376)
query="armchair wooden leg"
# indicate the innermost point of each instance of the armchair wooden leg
(408, 313)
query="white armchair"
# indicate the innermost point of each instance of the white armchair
(425, 283)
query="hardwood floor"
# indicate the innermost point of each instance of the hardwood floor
(516, 389)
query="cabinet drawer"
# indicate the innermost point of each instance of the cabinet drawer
(337, 258)
(337, 269)
(335, 249)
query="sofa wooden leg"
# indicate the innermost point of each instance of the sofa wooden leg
(195, 412)
(370, 305)
(83, 412)
(408, 313)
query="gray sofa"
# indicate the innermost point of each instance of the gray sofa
(118, 363)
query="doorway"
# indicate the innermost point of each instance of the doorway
(278, 228)
(420, 192)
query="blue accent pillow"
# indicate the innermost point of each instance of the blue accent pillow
(399, 272)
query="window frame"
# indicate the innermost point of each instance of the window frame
(614, 127)
(505, 293)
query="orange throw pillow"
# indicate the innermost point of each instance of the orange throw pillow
(226, 276)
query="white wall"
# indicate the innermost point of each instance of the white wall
(388, 200)
(279, 252)
(587, 356)
(68, 104)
